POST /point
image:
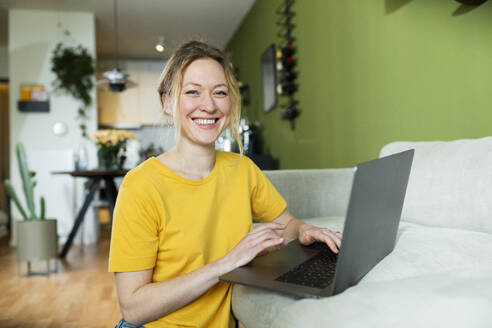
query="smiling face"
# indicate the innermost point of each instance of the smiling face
(204, 102)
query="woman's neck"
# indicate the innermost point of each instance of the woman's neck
(193, 159)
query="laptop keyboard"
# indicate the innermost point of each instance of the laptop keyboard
(317, 272)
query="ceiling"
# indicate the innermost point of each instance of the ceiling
(142, 22)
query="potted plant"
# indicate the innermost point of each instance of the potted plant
(74, 70)
(111, 148)
(37, 238)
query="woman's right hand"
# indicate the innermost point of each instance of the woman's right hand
(254, 243)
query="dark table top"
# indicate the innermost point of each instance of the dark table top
(94, 173)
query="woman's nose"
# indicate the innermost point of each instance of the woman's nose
(207, 103)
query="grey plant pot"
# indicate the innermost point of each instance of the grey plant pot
(36, 240)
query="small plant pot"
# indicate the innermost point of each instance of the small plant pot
(36, 240)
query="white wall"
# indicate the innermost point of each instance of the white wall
(4, 62)
(32, 37)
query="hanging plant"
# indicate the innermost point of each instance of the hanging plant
(74, 70)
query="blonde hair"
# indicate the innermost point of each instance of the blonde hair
(171, 80)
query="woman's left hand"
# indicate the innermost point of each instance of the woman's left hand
(309, 234)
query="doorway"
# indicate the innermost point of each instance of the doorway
(4, 148)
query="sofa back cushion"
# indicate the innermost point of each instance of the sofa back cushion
(450, 183)
(314, 193)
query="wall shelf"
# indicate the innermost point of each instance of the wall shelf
(33, 106)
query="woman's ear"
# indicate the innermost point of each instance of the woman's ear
(166, 106)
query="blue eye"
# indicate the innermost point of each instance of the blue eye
(191, 92)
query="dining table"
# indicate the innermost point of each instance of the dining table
(95, 177)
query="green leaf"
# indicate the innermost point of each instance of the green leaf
(42, 206)
(26, 178)
(13, 196)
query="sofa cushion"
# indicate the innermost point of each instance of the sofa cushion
(257, 308)
(450, 183)
(421, 251)
(314, 193)
(452, 299)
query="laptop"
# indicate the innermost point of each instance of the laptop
(371, 225)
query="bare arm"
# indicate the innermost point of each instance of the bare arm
(142, 300)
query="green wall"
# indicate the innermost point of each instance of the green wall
(372, 72)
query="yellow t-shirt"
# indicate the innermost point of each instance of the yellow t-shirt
(175, 225)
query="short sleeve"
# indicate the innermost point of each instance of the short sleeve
(266, 202)
(135, 232)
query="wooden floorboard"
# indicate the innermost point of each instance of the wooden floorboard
(80, 294)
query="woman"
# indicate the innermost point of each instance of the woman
(184, 218)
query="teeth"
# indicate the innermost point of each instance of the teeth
(205, 121)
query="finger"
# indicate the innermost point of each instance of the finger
(258, 231)
(320, 236)
(338, 242)
(268, 243)
(262, 253)
(338, 234)
(271, 225)
(279, 246)
(307, 239)
(263, 235)
(331, 244)
(333, 236)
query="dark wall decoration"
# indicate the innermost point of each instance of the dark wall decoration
(472, 2)
(287, 63)
(268, 77)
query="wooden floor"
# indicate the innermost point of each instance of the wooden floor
(80, 294)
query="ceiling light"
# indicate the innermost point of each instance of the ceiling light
(160, 45)
(116, 79)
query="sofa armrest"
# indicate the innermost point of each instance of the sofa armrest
(314, 193)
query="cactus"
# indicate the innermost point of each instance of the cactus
(41, 214)
(13, 195)
(28, 185)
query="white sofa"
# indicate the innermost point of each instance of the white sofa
(440, 273)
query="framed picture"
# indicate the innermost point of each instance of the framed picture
(268, 73)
